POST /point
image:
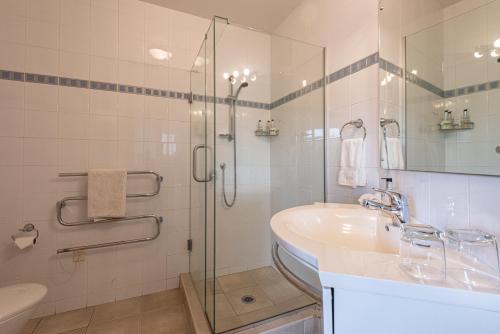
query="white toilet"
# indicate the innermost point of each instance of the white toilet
(17, 304)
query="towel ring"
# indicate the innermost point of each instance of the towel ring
(384, 122)
(358, 123)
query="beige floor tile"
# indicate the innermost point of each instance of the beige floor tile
(222, 325)
(266, 275)
(259, 315)
(223, 308)
(30, 326)
(128, 325)
(294, 303)
(261, 299)
(164, 299)
(165, 321)
(116, 310)
(236, 281)
(64, 322)
(280, 291)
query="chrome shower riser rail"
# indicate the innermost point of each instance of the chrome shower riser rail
(298, 282)
(158, 220)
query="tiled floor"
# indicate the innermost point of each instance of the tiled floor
(162, 312)
(273, 295)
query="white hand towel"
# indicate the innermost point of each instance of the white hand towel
(392, 154)
(352, 163)
(107, 192)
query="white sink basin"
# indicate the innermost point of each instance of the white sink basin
(305, 230)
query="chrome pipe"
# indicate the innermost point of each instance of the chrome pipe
(298, 282)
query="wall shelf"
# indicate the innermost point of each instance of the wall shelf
(458, 127)
(266, 133)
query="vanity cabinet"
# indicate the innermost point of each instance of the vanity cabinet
(359, 312)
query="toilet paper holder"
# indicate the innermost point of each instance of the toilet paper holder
(29, 228)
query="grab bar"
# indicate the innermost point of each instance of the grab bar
(195, 164)
(158, 221)
(298, 282)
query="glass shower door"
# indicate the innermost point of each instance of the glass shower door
(202, 219)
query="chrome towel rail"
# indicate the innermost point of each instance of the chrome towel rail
(358, 123)
(157, 219)
(384, 122)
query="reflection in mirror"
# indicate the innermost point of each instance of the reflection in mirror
(448, 104)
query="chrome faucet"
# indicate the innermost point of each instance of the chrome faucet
(398, 209)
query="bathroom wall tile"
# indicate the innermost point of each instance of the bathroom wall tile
(449, 198)
(131, 36)
(104, 31)
(74, 65)
(11, 95)
(11, 151)
(103, 69)
(13, 57)
(42, 34)
(75, 26)
(131, 105)
(156, 108)
(42, 152)
(14, 8)
(102, 154)
(73, 126)
(41, 97)
(13, 29)
(103, 127)
(40, 124)
(363, 85)
(130, 128)
(131, 73)
(42, 61)
(73, 155)
(103, 103)
(11, 122)
(46, 10)
(73, 100)
(40, 179)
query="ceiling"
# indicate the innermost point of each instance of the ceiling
(264, 15)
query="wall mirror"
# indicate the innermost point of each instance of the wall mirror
(440, 85)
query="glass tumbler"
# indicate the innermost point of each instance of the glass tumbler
(473, 258)
(423, 252)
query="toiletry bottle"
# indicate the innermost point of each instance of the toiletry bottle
(465, 121)
(259, 126)
(272, 128)
(268, 126)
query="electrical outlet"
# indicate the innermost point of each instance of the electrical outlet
(78, 256)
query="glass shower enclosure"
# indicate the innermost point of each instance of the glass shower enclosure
(258, 147)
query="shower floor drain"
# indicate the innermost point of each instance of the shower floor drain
(248, 299)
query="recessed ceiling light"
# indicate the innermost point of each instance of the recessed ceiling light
(497, 43)
(225, 75)
(236, 74)
(304, 83)
(160, 54)
(246, 71)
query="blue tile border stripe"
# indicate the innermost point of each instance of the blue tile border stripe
(410, 77)
(130, 89)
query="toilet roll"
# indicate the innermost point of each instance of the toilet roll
(23, 240)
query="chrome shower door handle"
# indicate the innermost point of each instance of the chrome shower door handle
(195, 164)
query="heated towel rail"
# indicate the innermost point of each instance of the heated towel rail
(156, 219)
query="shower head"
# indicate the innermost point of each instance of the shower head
(243, 85)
